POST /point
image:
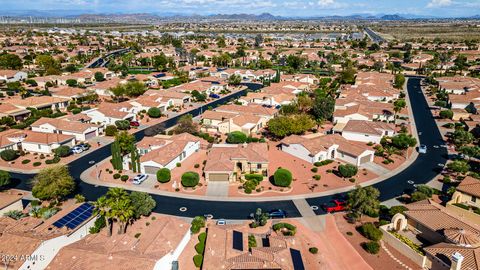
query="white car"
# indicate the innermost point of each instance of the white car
(139, 179)
(77, 150)
(221, 222)
(422, 149)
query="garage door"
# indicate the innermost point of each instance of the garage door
(151, 169)
(365, 159)
(89, 135)
(218, 177)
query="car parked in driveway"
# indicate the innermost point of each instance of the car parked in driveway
(277, 213)
(84, 146)
(335, 206)
(139, 179)
(76, 150)
(134, 123)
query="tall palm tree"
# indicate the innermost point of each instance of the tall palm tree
(103, 208)
(121, 207)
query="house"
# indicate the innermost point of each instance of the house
(178, 98)
(11, 200)
(224, 122)
(264, 113)
(320, 148)
(108, 113)
(16, 113)
(226, 162)
(7, 76)
(367, 131)
(40, 142)
(166, 152)
(81, 131)
(35, 241)
(450, 240)
(145, 102)
(368, 111)
(468, 192)
(149, 243)
(71, 93)
(41, 102)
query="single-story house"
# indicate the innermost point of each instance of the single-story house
(81, 131)
(367, 131)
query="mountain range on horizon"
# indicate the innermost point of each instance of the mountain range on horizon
(235, 16)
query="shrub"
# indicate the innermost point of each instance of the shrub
(198, 222)
(122, 124)
(253, 176)
(36, 164)
(313, 250)
(236, 137)
(323, 162)
(200, 247)
(137, 235)
(76, 111)
(347, 170)
(15, 214)
(371, 232)
(178, 164)
(25, 161)
(371, 247)
(196, 166)
(282, 177)
(290, 230)
(461, 205)
(317, 177)
(116, 176)
(154, 112)
(314, 169)
(197, 260)
(446, 114)
(163, 175)
(190, 179)
(124, 178)
(8, 154)
(111, 130)
(202, 237)
(62, 151)
(79, 198)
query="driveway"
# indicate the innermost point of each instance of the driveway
(218, 189)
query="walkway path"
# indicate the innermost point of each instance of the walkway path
(310, 219)
(392, 256)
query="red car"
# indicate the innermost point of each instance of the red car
(335, 206)
(134, 124)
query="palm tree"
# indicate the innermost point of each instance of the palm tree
(121, 207)
(102, 208)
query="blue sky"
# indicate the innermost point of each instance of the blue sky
(444, 8)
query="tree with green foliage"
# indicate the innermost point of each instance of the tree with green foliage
(398, 105)
(347, 76)
(62, 151)
(295, 62)
(142, 203)
(116, 206)
(470, 151)
(53, 183)
(134, 88)
(72, 82)
(402, 141)
(323, 107)
(347, 170)
(462, 137)
(99, 77)
(116, 156)
(154, 112)
(164, 175)
(198, 222)
(282, 177)
(185, 124)
(135, 159)
(10, 61)
(48, 64)
(234, 79)
(446, 114)
(236, 137)
(122, 124)
(363, 200)
(111, 130)
(9, 154)
(190, 179)
(126, 141)
(285, 125)
(260, 218)
(459, 166)
(399, 81)
(4, 178)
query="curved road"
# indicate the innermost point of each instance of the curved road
(421, 171)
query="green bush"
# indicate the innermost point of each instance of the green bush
(36, 164)
(313, 250)
(371, 232)
(76, 111)
(446, 114)
(197, 260)
(254, 176)
(202, 237)
(282, 178)
(62, 151)
(25, 161)
(200, 247)
(116, 176)
(314, 169)
(9, 155)
(198, 222)
(371, 247)
(317, 177)
(124, 178)
(190, 179)
(154, 112)
(323, 162)
(111, 130)
(290, 229)
(164, 175)
(236, 137)
(122, 124)
(461, 205)
(99, 223)
(347, 170)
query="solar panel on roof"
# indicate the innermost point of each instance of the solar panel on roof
(76, 217)
(297, 259)
(238, 240)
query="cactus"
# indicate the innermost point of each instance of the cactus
(116, 156)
